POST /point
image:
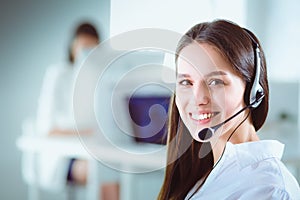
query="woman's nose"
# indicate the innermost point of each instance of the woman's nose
(201, 94)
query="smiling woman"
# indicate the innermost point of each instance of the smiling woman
(206, 91)
(222, 85)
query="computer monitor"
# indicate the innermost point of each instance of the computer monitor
(149, 118)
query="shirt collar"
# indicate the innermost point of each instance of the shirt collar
(252, 152)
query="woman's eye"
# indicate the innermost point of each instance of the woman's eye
(185, 82)
(216, 82)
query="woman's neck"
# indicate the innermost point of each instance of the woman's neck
(244, 133)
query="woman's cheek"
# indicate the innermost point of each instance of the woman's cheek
(181, 103)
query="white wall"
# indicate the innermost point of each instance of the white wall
(175, 15)
(283, 41)
(276, 24)
(33, 35)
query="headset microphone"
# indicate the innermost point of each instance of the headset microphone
(206, 133)
(256, 95)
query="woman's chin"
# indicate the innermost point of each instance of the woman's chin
(194, 135)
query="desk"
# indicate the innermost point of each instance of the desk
(72, 146)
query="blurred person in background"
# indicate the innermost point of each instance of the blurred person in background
(55, 114)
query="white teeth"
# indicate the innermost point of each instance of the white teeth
(202, 116)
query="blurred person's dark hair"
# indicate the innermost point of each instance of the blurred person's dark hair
(85, 28)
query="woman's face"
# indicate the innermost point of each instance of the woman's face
(83, 42)
(208, 90)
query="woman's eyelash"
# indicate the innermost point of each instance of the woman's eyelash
(216, 82)
(185, 82)
(213, 82)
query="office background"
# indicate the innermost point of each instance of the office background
(34, 34)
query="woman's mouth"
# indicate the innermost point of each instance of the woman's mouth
(203, 117)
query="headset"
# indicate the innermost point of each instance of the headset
(256, 92)
(255, 98)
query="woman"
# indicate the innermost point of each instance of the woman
(55, 114)
(222, 77)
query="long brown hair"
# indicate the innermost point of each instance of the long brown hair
(184, 164)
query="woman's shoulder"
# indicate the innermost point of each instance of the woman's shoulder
(289, 182)
(248, 171)
(266, 192)
(55, 71)
(59, 68)
(261, 163)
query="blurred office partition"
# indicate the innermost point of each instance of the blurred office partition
(283, 118)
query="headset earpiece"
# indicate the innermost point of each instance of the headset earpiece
(256, 93)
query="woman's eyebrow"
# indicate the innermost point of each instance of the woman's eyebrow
(216, 73)
(183, 76)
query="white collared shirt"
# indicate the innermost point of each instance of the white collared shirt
(55, 101)
(247, 171)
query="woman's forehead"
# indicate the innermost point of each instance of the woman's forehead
(203, 58)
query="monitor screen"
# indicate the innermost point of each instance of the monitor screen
(149, 118)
